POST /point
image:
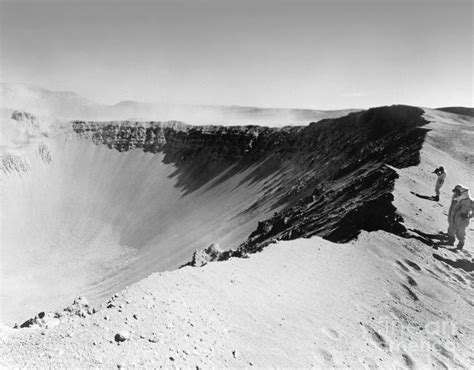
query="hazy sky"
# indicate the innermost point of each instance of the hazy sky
(309, 54)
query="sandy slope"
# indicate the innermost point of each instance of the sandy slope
(283, 307)
(93, 220)
(380, 301)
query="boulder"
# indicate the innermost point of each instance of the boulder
(122, 336)
(204, 256)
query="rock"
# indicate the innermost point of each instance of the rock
(204, 256)
(28, 323)
(51, 322)
(122, 336)
(80, 307)
(80, 301)
(23, 116)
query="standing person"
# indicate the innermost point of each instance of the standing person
(441, 173)
(460, 211)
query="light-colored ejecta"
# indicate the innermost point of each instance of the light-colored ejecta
(80, 218)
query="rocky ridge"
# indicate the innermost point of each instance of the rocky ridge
(333, 180)
(79, 308)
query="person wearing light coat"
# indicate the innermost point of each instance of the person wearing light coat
(460, 212)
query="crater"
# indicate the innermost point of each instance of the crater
(97, 206)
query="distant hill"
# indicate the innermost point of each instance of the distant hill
(69, 105)
(458, 110)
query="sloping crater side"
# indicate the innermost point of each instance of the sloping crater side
(104, 204)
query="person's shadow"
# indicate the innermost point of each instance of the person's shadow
(436, 241)
(427, 197)
(463, 264)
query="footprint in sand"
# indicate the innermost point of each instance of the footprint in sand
(438, 364)
(443, 351)
(377, 338)
(442, 271)
(411, 293)
(330, 333)
(432, 273)
(327, 357)
(466, 253)
(411, 281)
(364, 308)
(404, 276)
(393, 295)
(402, 266)
(368, 363)
(459, 278)
(413, 265)
(468, 301)
(398, 314)
(408, 361)
(448, 356)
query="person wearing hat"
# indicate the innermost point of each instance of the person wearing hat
(460, 212)
(441, 173)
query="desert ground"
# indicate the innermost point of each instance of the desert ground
(381, 300)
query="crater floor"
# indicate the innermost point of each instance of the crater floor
(94, 220)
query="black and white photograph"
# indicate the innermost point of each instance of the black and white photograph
(236, 184)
